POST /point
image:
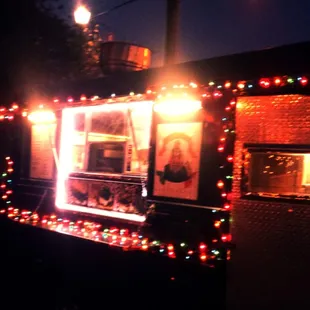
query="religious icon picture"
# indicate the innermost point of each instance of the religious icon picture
(177, 160)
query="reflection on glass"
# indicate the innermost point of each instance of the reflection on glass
(100, 133)
(109, 123)
(79, 122)
(277, 173)
(78, 147)
(139, 132)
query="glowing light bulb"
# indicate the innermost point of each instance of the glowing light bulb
(220, 184)
(82, 15)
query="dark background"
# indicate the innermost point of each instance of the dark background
(208, 28)
(47, 270)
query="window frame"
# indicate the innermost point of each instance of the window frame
(264, 148)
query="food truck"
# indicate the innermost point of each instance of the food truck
(158, 163)
(195, 172)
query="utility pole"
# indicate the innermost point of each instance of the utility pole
(172, 31)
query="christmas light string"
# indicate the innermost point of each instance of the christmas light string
(225, 143)
(213, 89)
(114, 236)
(202, 252)
(8, 114)
(6, 183)
(205, 253)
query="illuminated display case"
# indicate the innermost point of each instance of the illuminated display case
(104, 159)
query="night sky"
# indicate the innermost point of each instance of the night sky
(209, 27)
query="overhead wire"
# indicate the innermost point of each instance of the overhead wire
(116, 7)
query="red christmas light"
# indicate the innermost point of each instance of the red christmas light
(226, 238)
(220, 184)
(206, 95)
(217, 94)
(171, 254)
(303, 81)
(203, 257)
(241, 85)
(277, 81)
(170, 247)
(227, 84)
(230, 158)
(217, 224)
(202, 247)
(227, 206)
(265, 83)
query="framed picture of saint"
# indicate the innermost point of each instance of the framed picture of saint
(177, 160)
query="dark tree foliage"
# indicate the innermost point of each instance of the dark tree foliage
(37, 48)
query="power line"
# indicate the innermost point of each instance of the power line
(116, 7)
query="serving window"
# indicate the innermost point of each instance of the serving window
(277, 173)
(112, 138)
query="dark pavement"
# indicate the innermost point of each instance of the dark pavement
(42, 269)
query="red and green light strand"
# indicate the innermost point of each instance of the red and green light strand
(114, 236)
(224, 185)
(213, 89)
(6, 183)
(266, 82)
(122, 238)
(8, 114)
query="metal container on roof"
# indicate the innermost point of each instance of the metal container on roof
(116, 56)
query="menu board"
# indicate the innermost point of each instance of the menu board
(177, 161)
(42, 160)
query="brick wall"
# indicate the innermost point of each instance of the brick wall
(271, 262)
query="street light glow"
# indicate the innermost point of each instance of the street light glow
(82, 15)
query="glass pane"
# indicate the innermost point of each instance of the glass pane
(79, 122)
(107, 157)
(78, 142)
(108, 123)
(139, 132)
(278, 173)
(107, 140)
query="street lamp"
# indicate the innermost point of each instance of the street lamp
(82, 15)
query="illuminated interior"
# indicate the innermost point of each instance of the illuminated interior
(177, 106)
(110, 139)
(42, 117)
(278, 173)
(43, 149)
